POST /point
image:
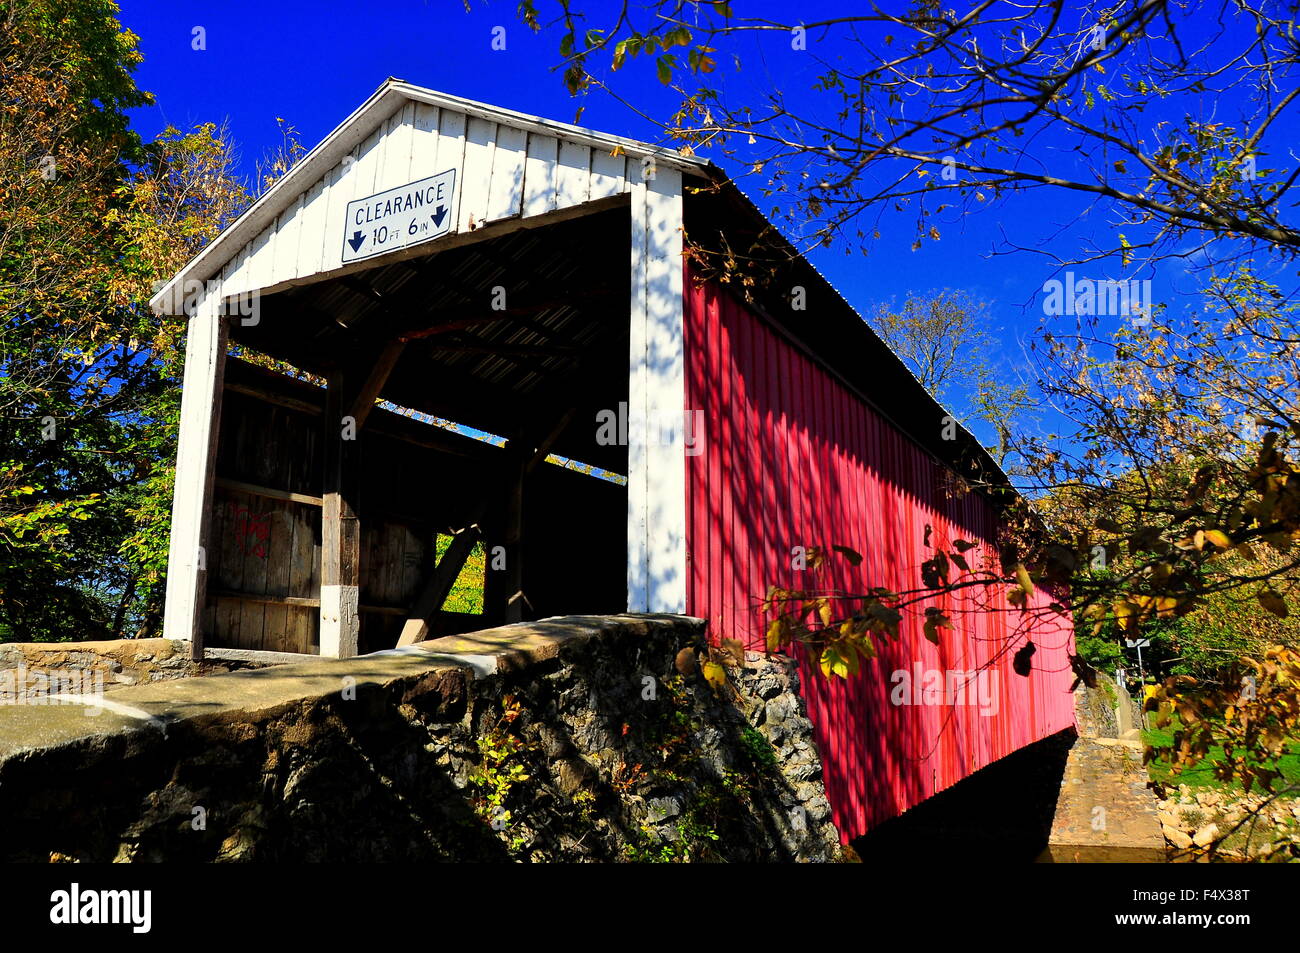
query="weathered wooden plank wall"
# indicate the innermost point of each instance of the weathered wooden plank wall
(264, 577)
(265, 560)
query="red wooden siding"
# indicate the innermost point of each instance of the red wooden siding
(792, 457)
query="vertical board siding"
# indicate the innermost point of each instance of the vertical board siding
(539, 174)
(450, 148)
(793, 458)
(397, 149)
(607, 174)
(263, 546)
(476, 180)
(505, 196)
(284, 248)
(573, 177)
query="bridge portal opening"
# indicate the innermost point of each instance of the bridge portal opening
(471, 486)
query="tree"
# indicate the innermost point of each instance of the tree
(936, 335)
(88, 375)
(944, 340)
(1153, 407)
(933, 107)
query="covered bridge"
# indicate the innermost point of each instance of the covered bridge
(390, 350)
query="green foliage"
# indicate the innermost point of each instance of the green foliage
(467, 592)
(1242, 725)
(713, 799)
(1103, 654)
(689, 842)
(758, 748)
(89, 375)
(502, 767)
(1202, 774)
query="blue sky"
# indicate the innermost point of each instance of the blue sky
(313, 63)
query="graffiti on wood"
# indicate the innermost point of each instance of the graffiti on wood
(252, 531)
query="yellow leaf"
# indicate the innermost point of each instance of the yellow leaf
(775, 631)
(714, 674)
(833, 663)
(1022, 577)
(1218, 537)
(851, 658)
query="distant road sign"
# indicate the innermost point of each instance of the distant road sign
(400, 217)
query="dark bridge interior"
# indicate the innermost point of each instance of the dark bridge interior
(524, 337)
(555, 338)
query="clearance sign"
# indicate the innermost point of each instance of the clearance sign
(406, 215)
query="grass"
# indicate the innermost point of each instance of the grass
(1241, 836)
(467, 593)
(1202, 774)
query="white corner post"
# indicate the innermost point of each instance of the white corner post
(656, 451)
(205, 359)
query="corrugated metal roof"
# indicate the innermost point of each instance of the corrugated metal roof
(560, 342)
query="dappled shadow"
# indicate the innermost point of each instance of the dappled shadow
(323, 780)
(600, 741)
(795, 458)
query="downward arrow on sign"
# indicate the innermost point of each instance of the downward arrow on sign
(356, 240)
(439, 215)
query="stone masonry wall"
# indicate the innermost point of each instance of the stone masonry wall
(32, 669)
(582, 738)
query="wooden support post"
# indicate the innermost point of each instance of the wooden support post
(363, 402)
(656, 453)
(349, 399)
(496, 582)
(340, 578)
(205, 356)
(521, 458)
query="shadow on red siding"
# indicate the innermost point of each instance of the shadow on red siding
(792, 457)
